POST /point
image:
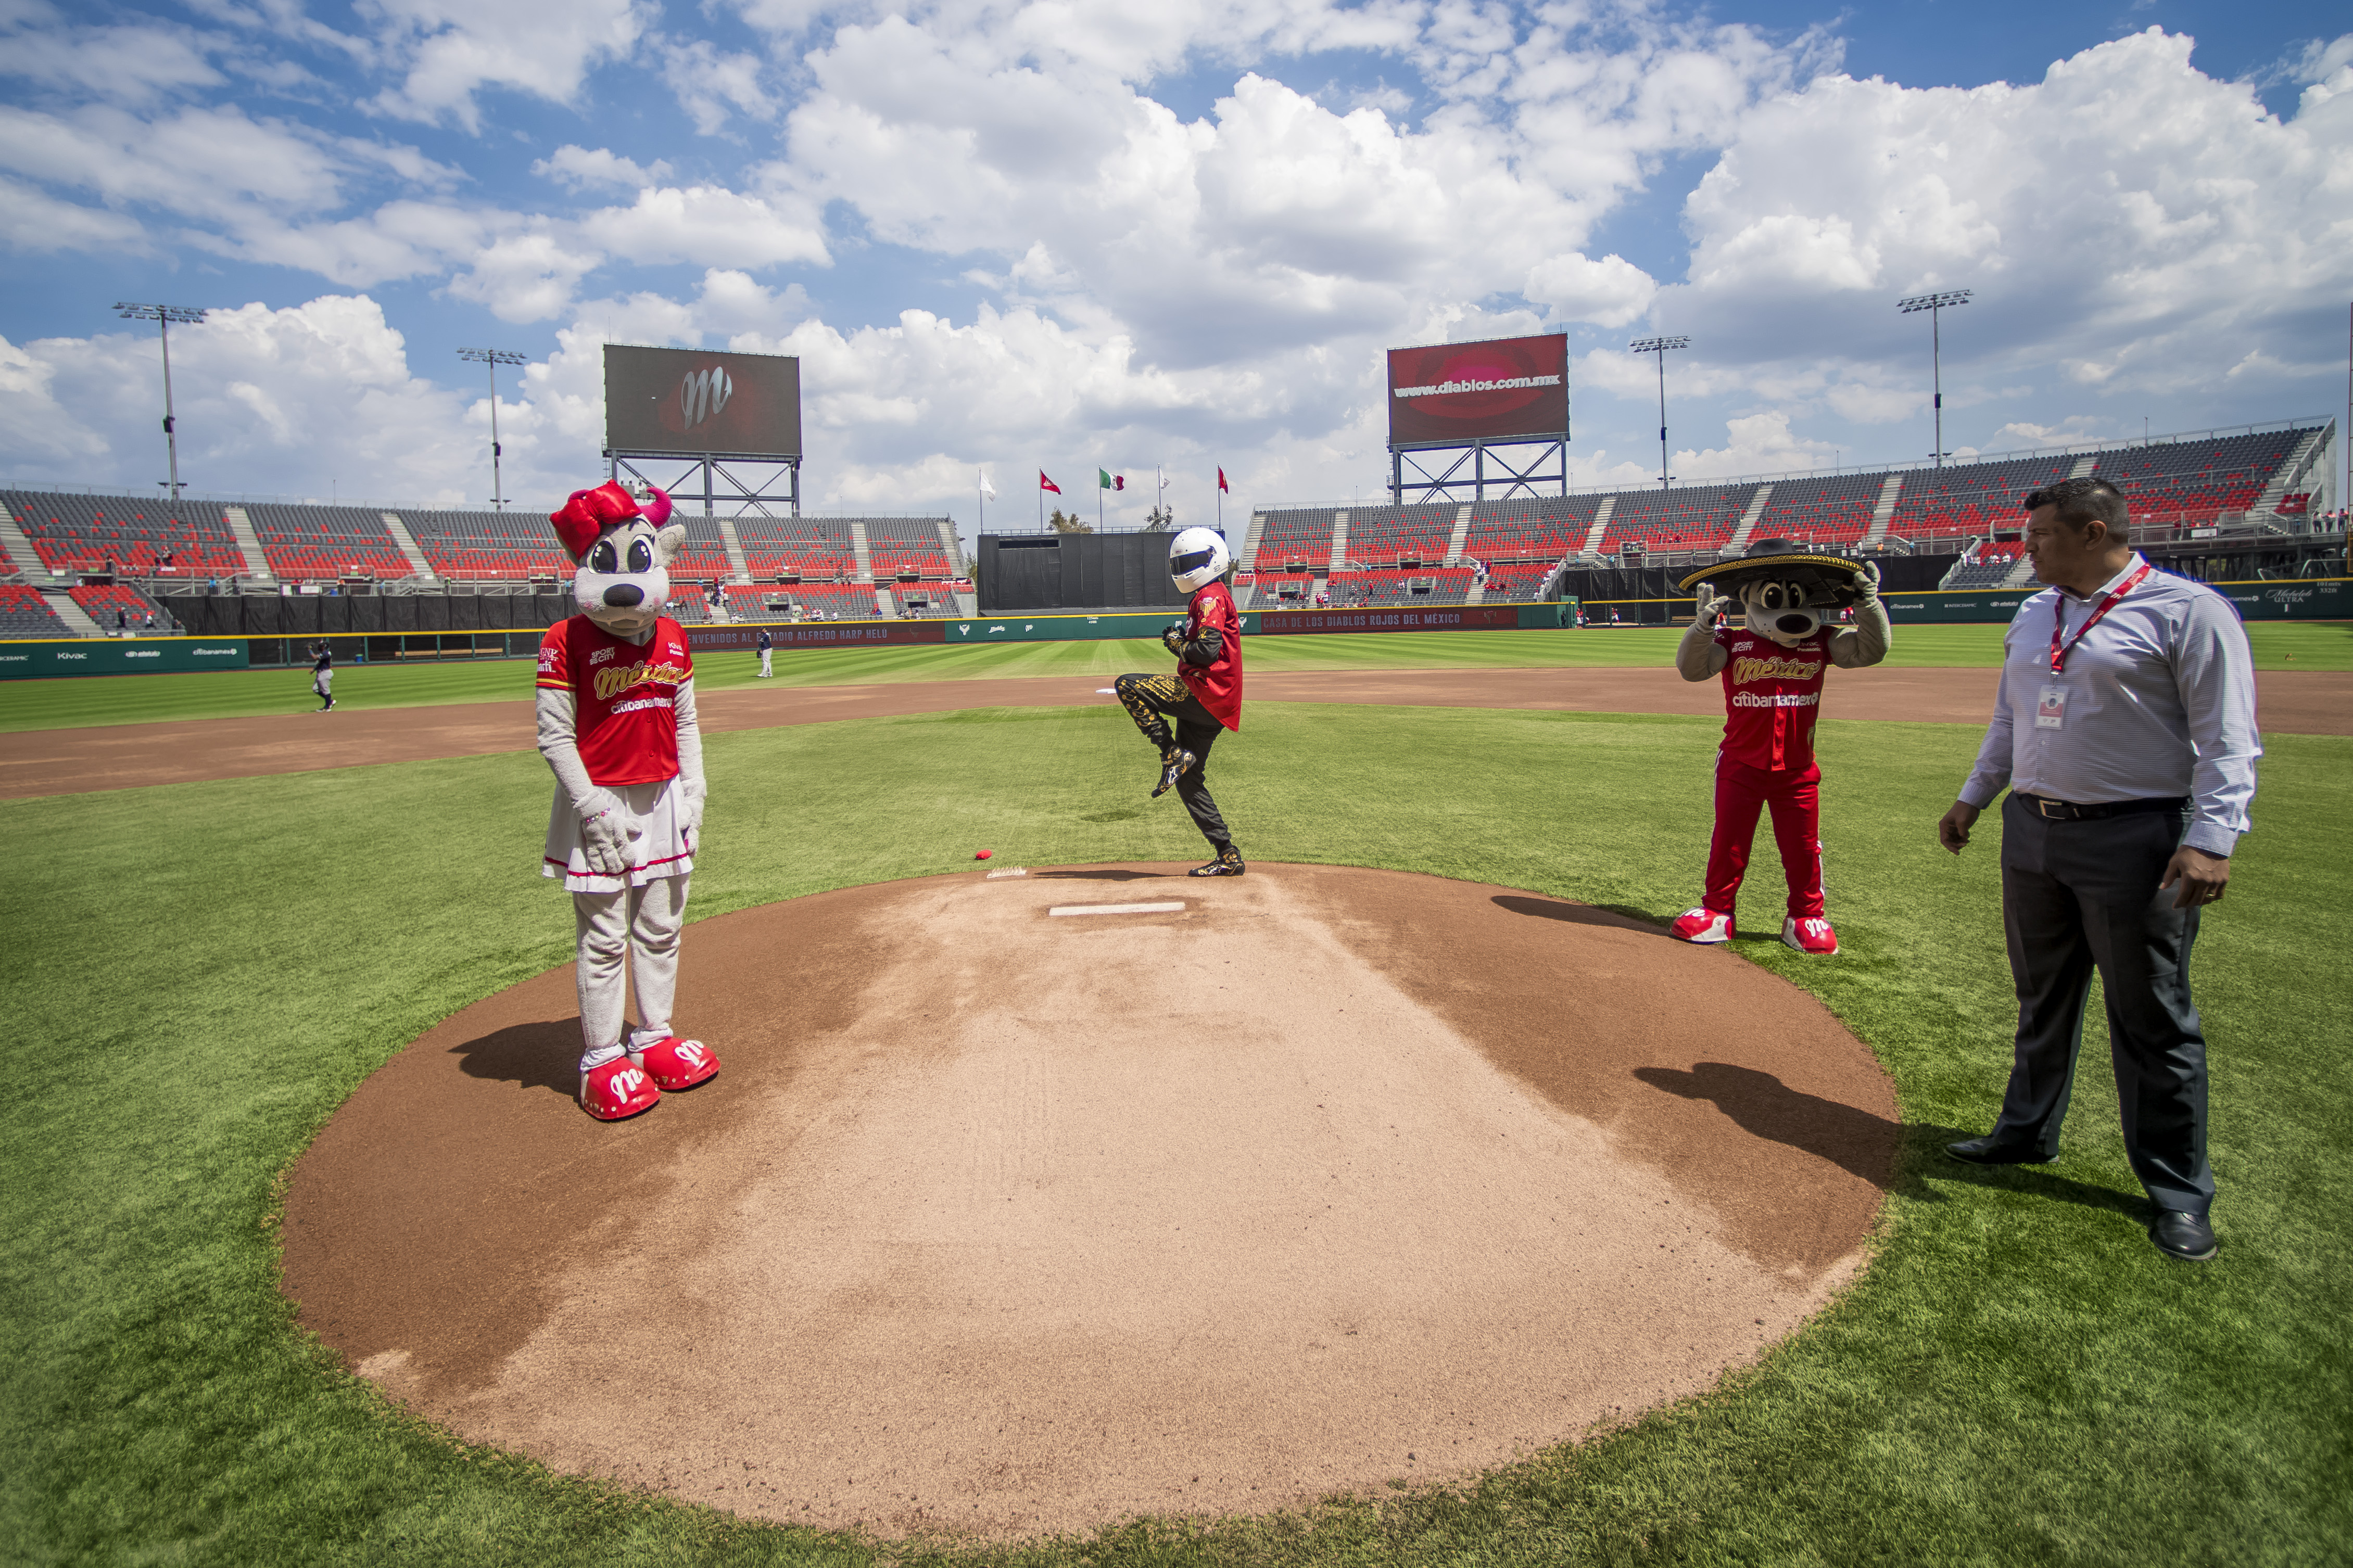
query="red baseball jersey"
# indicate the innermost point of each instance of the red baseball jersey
(628, 731)
(1219, 684)
(1772, 694)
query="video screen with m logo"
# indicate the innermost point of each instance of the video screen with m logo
(701, 403)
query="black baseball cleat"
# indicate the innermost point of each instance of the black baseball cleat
(2182, 1236)
(1988, 1150)
(1174, 765)
(1228, 863)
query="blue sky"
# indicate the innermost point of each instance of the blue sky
(1070, 235)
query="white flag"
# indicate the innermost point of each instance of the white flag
(1163, 479)
(987, 490)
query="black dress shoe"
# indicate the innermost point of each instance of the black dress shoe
(1990, 1150)
(2187, 1237)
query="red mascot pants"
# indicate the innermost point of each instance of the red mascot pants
(1741, 793)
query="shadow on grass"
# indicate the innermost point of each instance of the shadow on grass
(1926, 1162)
(1616, 916)
(535, 1056)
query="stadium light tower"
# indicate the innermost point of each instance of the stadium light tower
(1936, 304)
(1660, 346)
(164, 316)
(495, 358)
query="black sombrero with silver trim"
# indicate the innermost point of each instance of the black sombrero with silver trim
(1788, 561)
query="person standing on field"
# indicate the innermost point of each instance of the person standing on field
(767, 652)
(323, 675)
(2124, 729)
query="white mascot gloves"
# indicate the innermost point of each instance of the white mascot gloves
(693, 792)
(607, 834)
(1866, 583)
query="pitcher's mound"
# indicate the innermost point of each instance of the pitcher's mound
(1005, 1221)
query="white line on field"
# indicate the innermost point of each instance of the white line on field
(1116, 908)
(1105, 691)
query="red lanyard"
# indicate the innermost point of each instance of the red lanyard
(2058, 653)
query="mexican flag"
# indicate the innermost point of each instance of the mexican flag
(1111, 481)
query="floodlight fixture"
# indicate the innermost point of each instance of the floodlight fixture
(494, 358)
(164, 316)
(1660, 346)
(1936, 304)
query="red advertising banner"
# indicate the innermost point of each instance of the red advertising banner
(1501, 389)
(846, 634)
(1452, 618)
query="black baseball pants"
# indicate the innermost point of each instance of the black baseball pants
(2081, 896)
(1152, 700)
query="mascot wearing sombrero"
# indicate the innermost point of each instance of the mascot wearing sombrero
(616, 725)
(1773, 660)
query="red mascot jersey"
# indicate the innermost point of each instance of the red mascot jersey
(1772, 695)
(627, 731)
(1219, 684)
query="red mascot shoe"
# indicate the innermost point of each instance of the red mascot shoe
(1812, 935)
(1703, 926)
(617, 1089)
(678, 1064)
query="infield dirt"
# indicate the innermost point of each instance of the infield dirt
(999, 1222)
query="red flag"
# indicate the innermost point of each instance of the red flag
(1045, 484)
(1221, 482)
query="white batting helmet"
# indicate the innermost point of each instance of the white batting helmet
(1197, 557)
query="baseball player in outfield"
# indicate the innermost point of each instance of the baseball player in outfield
(767, 654)
(1203, 695)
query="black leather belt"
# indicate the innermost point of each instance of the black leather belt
(2068, 811)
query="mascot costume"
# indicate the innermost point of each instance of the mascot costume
(1773, 661)
(616, 725)
(1204, 695)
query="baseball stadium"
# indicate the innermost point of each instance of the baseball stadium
(1415, 1197)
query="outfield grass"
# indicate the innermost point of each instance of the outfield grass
(205, 971)
(222, 694)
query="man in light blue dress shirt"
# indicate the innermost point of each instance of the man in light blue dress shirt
(2124, 729)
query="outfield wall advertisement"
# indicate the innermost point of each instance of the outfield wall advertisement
(119, 655)
(822, 633)
(1502, 389)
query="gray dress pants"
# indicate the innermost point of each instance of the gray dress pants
(2077, 896)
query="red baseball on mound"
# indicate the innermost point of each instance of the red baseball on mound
(980, 855)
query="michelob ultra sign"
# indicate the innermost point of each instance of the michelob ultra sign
(1501, 389)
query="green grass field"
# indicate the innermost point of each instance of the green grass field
(143, 699)
(202, 973)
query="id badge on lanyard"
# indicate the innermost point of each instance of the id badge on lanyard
(2051, 703)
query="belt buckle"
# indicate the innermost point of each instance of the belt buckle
(2043, 805)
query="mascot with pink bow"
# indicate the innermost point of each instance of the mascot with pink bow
(616, 725)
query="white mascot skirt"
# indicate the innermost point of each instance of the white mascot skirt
(662, 849)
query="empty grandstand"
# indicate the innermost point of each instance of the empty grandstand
(1971, 500)
(1397, 536)
(487, 546)
(1350, 590)
(25, 613)
(1530, 529)
(1295, 539)
(1830, 509)
(311, 544)
(906, 547)
(821, 549)
(1696, 518)
(101, 534)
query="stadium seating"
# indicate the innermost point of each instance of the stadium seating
(1702, 517)
(1537, 528)
(1971, 499)
(837, 600)
(316, 544)
(2182, 484)
(1390, 535)
(103, 604)
(900, 545)
(74, 533)
(1277, 588)
(25, 613)
(1409, 586)
(815, 547)
(1829, 510)
(1294, 539)
(488, 544)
